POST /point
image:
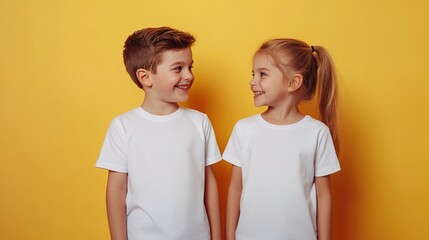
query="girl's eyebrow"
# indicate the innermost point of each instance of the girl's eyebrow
(262, 69)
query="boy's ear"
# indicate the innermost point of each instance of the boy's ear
(295, 83)
(144, 77)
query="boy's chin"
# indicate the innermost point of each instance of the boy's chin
(184, 99)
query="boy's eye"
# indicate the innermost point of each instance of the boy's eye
(178, 68)
(190, 68)
(262, 74)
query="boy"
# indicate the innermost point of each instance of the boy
(160, 182)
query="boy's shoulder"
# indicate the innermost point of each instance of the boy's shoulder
(138, 113)
(128, 114)
(195, 116)
(193, 112)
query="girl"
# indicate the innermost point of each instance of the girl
(282, 158)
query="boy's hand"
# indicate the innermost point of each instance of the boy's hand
(211, 199)
(116, 208)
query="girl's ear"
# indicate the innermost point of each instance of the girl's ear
(295, 83)
(144, 77)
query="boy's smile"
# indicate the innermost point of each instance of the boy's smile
(184, 86)
(173, 79)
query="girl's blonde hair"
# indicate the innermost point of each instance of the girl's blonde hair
(316, 67)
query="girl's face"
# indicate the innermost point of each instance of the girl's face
(268, 84)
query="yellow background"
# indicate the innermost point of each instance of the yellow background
(62, 81)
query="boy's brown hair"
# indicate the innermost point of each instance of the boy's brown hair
(144, 48)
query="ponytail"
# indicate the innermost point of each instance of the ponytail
(327, 91)
(317, 69)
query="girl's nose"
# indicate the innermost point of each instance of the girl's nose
(252, 82)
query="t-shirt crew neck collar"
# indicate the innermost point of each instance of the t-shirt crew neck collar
(285, 126)
(160, 118)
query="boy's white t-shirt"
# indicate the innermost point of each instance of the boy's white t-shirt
(279, 164)
(165, 158)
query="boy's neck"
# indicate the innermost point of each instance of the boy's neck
(159, 108)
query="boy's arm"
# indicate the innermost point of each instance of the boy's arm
(233, 202)
(211, 199)
(116, 209)
(323, 191)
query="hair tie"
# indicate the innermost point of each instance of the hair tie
(312, 49)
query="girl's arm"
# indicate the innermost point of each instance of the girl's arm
(323, 191)
(211, 199)
(116, 209)
(233, 202)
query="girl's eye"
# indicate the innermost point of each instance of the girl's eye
(178, 69)
(262, 74)
(190, 68)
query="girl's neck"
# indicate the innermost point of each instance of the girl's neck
(282, 116)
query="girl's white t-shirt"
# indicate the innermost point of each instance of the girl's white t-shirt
(279, 164)
(165, 159)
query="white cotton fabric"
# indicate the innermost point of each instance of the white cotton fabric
(279, 164)
(165, 158)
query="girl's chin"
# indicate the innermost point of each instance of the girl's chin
(258, 104)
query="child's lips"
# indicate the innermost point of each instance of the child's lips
(258, 93)
(184, 86)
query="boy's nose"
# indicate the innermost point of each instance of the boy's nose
(188, 75)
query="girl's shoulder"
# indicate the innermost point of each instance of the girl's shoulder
(248, 121)
(314, 123)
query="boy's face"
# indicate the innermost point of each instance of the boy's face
(173, 78)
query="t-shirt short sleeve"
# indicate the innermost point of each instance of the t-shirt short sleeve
(212, 153)
(326, 161)
(233, 150)
(113, 153)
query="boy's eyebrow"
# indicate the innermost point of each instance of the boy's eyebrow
(180, 63)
